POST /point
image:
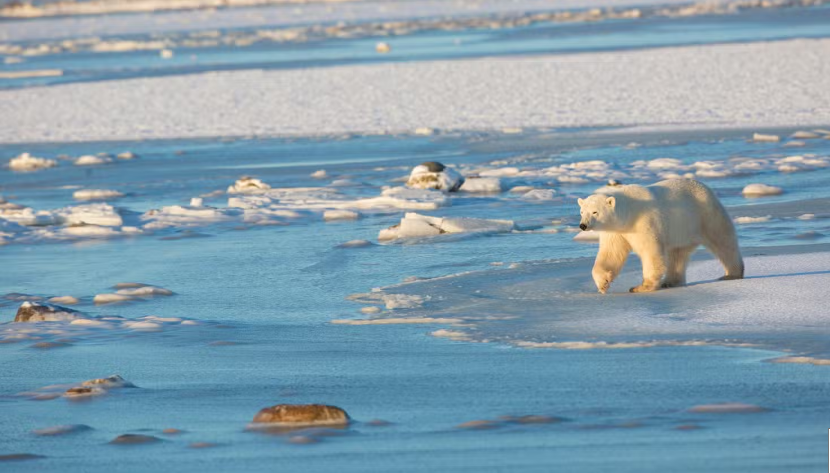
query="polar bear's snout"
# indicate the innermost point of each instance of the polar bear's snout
(583, 227)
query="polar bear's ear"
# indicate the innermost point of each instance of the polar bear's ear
(580, 202)
(611, 202)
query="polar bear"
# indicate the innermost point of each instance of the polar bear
(663, 223)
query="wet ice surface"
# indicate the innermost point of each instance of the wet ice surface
(264, 297)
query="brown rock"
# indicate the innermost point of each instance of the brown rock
(302, 414)
(134, 439)
(172, 431)
(37, 312)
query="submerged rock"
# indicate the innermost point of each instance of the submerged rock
(41, 312)
(19, 457)
(134, 439)
(302, 414)
(434, 175)
(61, 430)
(728, 408)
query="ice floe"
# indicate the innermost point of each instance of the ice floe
(482, 185)
(415, 225)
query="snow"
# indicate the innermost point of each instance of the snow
(27, 163)
(762, 138)
(719, 85)
(778, 306)
(415, 225)
(145, 291)
(111, 298)
(96, 194)
(539, 195)
(761, 190)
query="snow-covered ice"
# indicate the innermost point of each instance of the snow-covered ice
(27, 163)
(630, 88)
(415, 225)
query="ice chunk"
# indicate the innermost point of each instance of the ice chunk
(330, 215)
(26, 163)
(747, 220)
(321, 174)
(540, 195)
(91, 160)
(761, 138)
(760, 190)
(145, 291)
(481, 184)
(96, 194)
(416, 225)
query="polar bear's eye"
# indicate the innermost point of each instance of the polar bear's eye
(596, 213)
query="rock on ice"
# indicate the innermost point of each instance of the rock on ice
(248, 185)
(434, 175)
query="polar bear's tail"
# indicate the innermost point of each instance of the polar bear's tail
(719, 236)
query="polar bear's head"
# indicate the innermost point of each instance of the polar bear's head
(598, 212)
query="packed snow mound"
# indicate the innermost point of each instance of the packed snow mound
(248, 185)
(27, 163)
(434, 175)
(96, 194)
(761, 190)
(415, 225)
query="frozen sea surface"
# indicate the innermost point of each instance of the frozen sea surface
(265, 298)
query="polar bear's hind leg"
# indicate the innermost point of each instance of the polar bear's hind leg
(676, 271)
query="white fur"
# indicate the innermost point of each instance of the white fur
(663, 223)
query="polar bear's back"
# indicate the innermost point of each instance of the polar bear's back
(681, 207)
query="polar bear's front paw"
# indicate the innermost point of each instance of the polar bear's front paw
(602, 281)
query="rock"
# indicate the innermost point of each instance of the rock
(383, 48)
(111, 298)
(40, 312)
(19, 457)
(728, 408)
(478, 425)
(805, 135)
(134, 439)
(83, 391)
(61, 430)
(302, 414)
(127, 155)
(533, 419)
(172, 431)
(434, 175)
